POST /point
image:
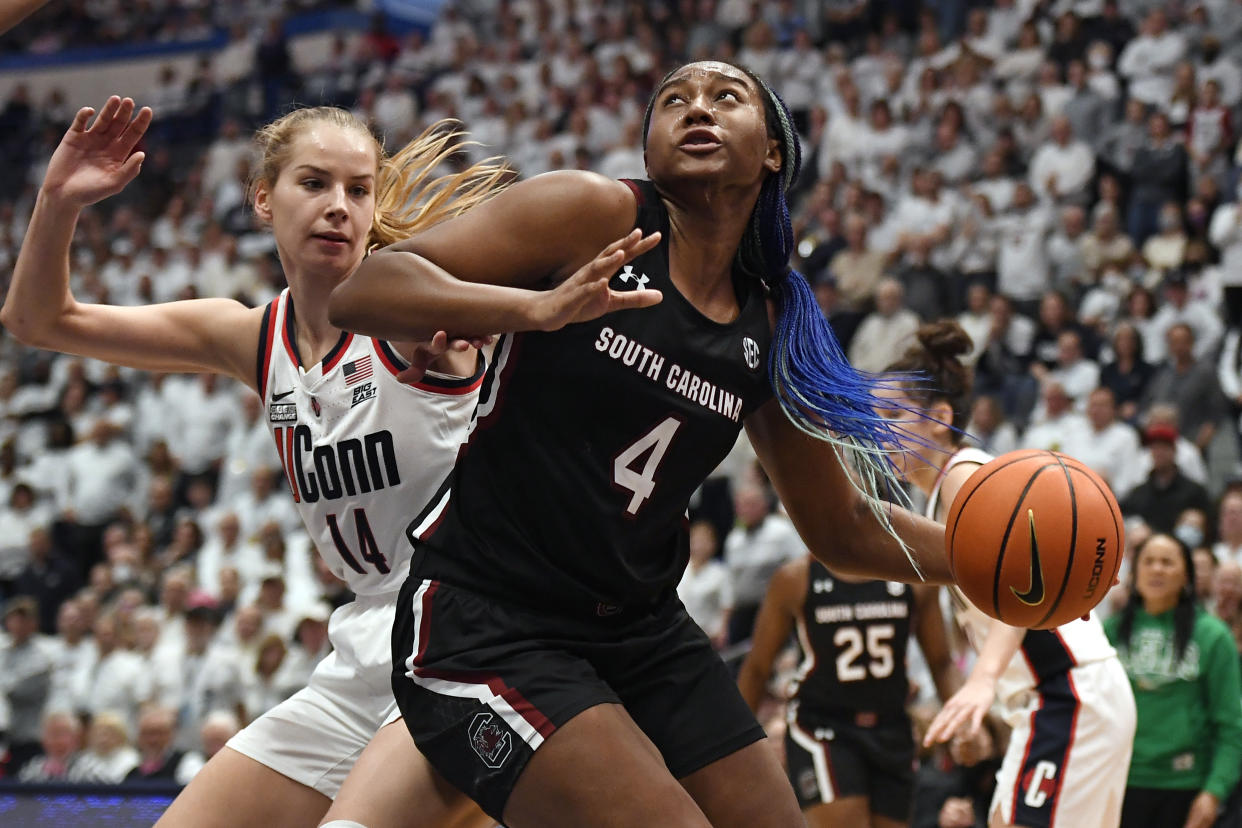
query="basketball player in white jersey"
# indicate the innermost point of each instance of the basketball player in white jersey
(360, 446)
(1063, 692)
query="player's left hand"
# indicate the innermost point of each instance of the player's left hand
(429, 351)
(966, 709)
(1203, 811)
(586, 294)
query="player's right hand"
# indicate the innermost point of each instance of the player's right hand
(586, 295)
(425, 353)
(92, 163)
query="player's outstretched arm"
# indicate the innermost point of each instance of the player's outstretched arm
(964, 712)
(834, 520)
(491, 268)
(91, 163)
(781, 604)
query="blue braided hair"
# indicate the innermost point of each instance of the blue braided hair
(818, 389)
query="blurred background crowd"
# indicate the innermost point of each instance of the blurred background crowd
(1061, 176)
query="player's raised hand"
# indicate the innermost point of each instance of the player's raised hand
(96, 161)
(586, 294)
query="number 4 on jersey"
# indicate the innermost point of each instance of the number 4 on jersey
(654, 444)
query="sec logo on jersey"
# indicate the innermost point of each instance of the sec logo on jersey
(750, 352)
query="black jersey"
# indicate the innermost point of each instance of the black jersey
(588, 443)
(853, 637)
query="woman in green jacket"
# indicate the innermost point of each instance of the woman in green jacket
(1183, 665)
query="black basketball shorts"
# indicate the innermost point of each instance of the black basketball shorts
(836, 758)
(482, 683)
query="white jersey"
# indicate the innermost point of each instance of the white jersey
(362, 452)
(1044, 653)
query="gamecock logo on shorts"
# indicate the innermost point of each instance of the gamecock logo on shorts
(490, 740)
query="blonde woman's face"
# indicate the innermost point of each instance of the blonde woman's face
(323, 201)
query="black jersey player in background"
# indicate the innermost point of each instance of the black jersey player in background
(557, 678)
(849, 746)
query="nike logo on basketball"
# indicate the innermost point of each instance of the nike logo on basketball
(281, 395)
(1034, 595)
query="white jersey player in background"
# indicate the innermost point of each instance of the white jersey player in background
(1063, 692)
(361, 449)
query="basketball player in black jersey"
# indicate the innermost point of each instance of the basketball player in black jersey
(849, 746)
(557, 678)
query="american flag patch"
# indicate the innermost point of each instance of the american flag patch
(356, 371)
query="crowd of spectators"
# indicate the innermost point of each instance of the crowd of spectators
(102, 24)
(1061, 177)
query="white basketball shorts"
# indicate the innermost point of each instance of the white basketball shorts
(315, 736)
(1069, 753)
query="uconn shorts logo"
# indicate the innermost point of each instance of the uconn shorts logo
(491, 740)
(750, 350)
(1040, 784)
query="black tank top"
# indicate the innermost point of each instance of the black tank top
(588, 443)
(853, 637)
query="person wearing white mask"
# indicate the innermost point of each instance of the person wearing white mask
(1100, 75)
(1191, 528)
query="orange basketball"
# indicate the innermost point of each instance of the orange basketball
(1034, 538)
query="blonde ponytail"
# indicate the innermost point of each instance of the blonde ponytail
(408, 199)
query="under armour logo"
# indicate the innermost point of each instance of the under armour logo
(629, 274)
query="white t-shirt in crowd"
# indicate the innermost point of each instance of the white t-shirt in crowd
(752, 555)
(707, 592)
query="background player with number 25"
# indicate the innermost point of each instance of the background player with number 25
(849, 742)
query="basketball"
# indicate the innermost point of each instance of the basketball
(1034, 538)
